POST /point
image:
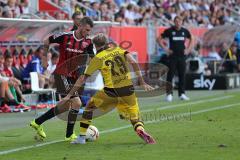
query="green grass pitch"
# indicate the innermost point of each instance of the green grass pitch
(205, 128)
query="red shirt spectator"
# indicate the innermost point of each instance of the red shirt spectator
(8, 66)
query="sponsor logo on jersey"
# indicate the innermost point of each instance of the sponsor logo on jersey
(74, 50)
(178, 38)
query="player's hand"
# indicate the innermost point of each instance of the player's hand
(18, 82)
(169, 51)
(66, 98)
(12, 82)
(22, 99)
(44, 62)
(187, 51)
(147, 87)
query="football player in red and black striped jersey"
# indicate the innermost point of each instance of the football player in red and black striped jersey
(75, 49)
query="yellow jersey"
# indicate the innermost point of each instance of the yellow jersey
(112, 64)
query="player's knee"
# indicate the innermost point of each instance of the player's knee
(61, 108)
(75, 103)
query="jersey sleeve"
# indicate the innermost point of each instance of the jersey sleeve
(56, 38)
(166, 33)
(123, 51)
(188, 34)
(94, 65)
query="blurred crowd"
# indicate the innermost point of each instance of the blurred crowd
(205, 13)
(16, 63)
(13, 8)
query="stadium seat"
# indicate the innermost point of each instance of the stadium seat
(37, 90)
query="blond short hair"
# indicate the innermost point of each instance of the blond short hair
(100, 40)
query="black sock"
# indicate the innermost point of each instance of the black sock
(2, 101)
(12, 102)
(72, 116)
(48, 115)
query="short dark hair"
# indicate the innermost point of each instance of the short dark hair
(75, 14)
(86, 21)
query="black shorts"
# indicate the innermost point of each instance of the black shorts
(238, 56)
(64, 85)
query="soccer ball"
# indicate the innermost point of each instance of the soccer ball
(92, 133)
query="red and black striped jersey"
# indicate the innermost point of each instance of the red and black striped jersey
(73, 53)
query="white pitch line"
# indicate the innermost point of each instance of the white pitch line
(189, 103)
(184, 104)
(173, 106)
(197, 112)
(177, 115)
(29, 147)
(120, 128)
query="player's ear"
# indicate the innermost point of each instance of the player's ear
(79, 26)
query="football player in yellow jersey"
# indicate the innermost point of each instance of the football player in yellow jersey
(118, 91)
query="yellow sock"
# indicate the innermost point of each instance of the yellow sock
(84, 124)
(138, 125)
